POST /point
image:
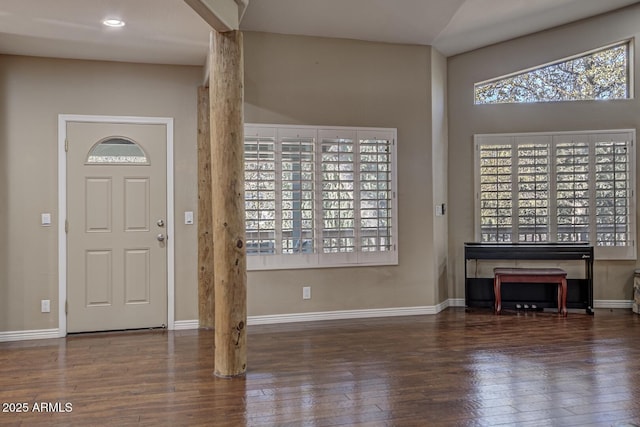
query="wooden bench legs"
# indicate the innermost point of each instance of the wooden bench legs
(531, 275)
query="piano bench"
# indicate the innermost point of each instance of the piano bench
(531, 275)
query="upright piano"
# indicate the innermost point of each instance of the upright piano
(479, 290)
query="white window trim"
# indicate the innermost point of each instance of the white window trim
(328, 260)
(600, 252)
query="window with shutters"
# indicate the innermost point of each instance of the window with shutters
(558, 187)
(319, 197)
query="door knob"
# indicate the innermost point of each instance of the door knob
(160, 223)
(160, 237)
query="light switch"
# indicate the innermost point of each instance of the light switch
(46, 219)
(188, 218)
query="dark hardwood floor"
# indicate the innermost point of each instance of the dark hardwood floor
(456, 368)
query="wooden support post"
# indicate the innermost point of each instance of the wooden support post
(227, 171)
(205, 215)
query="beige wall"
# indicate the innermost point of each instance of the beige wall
(320, 81)
(288, 80)
(298, 80)
(440, 149)
(33, 92)
(613, 280)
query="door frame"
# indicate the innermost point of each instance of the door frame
(63, 120)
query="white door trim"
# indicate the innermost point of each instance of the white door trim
(63, 119)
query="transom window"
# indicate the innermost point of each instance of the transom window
(117, 150)
(558, 187)
(600, 74)
(319, 196)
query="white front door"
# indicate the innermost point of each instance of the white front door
(117, 214)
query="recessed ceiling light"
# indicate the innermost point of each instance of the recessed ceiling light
(111, 22)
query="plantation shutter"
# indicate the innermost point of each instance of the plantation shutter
(533, 188)
(562, 187)
(496, 190)
(338, 163)
(297, 187)
(573, 198)
(375, 194)
(317, 197)
(260, 191)
(613, 190)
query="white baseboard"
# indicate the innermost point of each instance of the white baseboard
(442, 306)
(612, 303)
(328, 315)
(309, 317)
(182, 325)
(456, 302)
(39, 334)
(341, 314)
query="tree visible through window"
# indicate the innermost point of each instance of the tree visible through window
(603, 74)
(566, 188)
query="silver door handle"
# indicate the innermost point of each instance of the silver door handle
(160, 223)
(160, 237)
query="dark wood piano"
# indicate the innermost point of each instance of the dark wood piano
(479, 290)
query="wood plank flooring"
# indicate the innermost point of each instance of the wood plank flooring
(456, 368)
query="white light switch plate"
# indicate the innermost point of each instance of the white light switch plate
(188, 217)
(46, 219)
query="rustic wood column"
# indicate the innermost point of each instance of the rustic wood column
(227, 170)
(205, 214)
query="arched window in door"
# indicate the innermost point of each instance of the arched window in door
(117, 150)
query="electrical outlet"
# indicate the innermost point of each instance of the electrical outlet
(45, 306)
(306, 292)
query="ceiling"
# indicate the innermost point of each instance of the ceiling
(170, 32)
